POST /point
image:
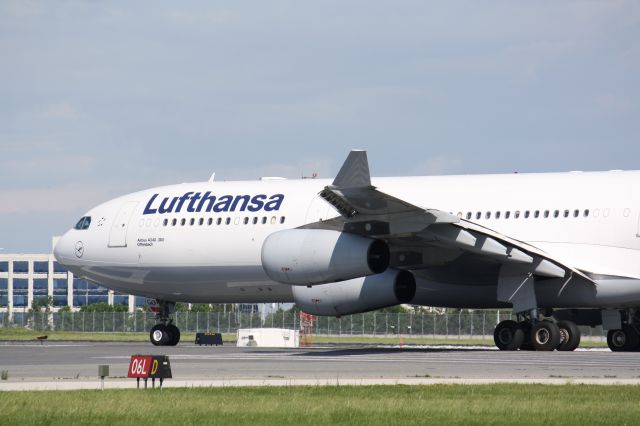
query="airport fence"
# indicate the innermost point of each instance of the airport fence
(462, 324)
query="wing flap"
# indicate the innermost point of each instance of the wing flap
(366, 211)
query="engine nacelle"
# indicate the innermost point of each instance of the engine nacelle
(316, 256)
(364, 294)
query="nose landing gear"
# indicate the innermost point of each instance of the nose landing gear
(165, 333)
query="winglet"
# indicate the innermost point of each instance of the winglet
(354, 172)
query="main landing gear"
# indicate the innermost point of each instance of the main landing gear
(627, 338)
(165, 333)
(537, 335)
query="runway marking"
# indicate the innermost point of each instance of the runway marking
(523, 359)
(40, 345)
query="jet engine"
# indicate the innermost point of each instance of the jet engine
(363, 294)
(316, 256)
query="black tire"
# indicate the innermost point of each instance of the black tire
(159, 335)
(545, 336)
(508, 336)
(624, 340)
(569, 335)
(526, 330)
(175, 335)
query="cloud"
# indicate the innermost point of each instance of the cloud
(614, 103)
(323, 167)
(62, 109)
(73, 198)
(38, 170)
(439, 165)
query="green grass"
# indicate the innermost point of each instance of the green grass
(21, 334)
(343, 405)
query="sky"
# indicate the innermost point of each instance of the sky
(102, 98)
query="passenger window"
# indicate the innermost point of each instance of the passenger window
(228, 221)
(210, 221)
(273, 220)
(576, 213)
(478, 215)
(459, 214)
(487, 215)
(246, 220)
(516, 215)
(536, 214)
(192, 221)
(586, 213)
(174, 222)
(507, 214)
(165, 222)
(201, 221)
(282, 219)
(468, 215)
(566, 213)
(526, 214)
(255, 220)
(497, 215)
(219, 221)
(556, 213)
(546, 213)
(264, 220)
(183, 221)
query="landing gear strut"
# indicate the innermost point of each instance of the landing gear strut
(532, 333)
(165, 333)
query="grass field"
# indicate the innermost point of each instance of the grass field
(364, 405)
(22, 334)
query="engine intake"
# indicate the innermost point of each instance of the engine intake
(353, 296)
(317, 256)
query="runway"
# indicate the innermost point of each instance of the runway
(65, 365)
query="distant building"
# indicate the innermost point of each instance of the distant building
(28, 277)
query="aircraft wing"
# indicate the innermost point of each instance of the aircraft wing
(420, 238)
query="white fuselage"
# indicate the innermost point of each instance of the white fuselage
(587, 220)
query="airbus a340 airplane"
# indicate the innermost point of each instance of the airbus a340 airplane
(560, 249)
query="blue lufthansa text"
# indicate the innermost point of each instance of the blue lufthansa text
(196, 202)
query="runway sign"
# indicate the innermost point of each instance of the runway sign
(149, 367)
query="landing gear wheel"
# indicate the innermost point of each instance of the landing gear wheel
(526, 342)
(508, 335)
(175, 335)
(624, 340)
(545, 336)
(160, 335)
(569, 335)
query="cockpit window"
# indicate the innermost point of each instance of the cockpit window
(83, 223)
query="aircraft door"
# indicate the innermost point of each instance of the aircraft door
(118, 234)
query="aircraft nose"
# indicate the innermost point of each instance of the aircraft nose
(63, 250)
